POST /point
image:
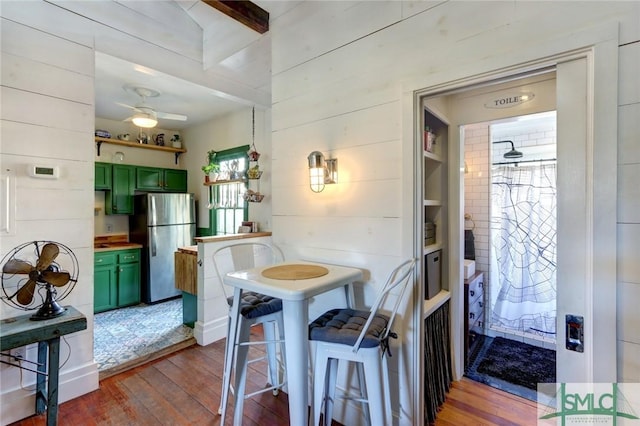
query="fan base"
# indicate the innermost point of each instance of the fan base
(48, 311)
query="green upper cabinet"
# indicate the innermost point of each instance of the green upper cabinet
(102, 176)
(157, 179)
(120, 199)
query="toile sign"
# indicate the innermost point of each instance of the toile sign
(509, 101)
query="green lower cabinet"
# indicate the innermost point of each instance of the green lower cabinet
(116, 279)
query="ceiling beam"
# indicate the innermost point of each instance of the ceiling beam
(245, 12)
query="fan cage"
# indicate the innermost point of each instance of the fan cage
(65, 261)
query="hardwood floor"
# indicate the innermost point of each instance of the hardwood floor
(183, 388)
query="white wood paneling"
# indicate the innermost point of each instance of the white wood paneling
(629, 193)
(25, 74)
(34, 108)
(48, 49)
(629, 370)
(629, 254)
(339, 23)
(629, 133)
(628, 320)
(38, 141)
(629, 60)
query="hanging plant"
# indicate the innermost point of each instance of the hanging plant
(253, 152)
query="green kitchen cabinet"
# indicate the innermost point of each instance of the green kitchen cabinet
(116, 279)
(102, 176)
(120, 199)
(105, 282)
(161, 180)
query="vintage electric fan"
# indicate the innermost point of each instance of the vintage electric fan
(37, 275)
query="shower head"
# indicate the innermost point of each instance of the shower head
(514, 153)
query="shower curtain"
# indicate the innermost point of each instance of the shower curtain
(523, 244)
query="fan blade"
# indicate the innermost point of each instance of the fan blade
(127, 106)
(57, 279)
(17, 266)
(171, 116)
(49, 253)
(25, 294)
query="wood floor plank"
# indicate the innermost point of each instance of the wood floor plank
(183, 388)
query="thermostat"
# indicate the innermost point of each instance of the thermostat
(46, 172)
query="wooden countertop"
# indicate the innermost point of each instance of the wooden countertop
(230, 237)
(189, 250)
(111, 242)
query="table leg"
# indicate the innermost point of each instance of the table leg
(52, 387)
(41, 394)
(296, 318)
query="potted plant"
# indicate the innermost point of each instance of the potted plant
(212, 167)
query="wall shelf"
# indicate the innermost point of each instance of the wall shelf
(176, 151)
(224, 182)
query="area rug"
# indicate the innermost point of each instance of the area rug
(512, 366)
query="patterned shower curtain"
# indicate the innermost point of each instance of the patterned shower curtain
(523, 244)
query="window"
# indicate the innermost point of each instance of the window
(230, 209)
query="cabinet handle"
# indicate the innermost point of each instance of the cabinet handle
(471, 292)
(480, 304)
(472, 315)
(481, 323)
(129, 257)
(480, 284)
(99, 260)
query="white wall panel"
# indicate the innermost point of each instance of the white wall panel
(33, 108)
(26, 42)
(629, 69)
(629, 253)
(339, 22)
(629, 370)
(629, 133)
(628, 321)
(40, 142)
(629, 193)
(26, 74)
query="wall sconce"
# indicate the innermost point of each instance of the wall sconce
(321, 172)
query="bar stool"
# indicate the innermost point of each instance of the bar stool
(255, 308)
(363, 337)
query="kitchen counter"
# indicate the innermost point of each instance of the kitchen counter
(229, 237)
(111, 242)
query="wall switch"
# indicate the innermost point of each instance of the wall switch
(109, 227)
(574, 333)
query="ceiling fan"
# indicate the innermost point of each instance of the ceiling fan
(144, 114)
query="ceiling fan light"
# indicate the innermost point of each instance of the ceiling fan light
(144, 120)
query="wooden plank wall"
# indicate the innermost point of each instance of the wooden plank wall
(339, 71)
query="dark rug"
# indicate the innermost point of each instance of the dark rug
(512, 366)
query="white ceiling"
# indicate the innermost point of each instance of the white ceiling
(242, 56)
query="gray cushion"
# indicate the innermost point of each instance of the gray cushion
(255, 305)
(344, 326)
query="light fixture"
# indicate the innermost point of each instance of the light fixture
(144, 119)
(321, 172)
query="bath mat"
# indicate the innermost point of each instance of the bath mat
(518, 363)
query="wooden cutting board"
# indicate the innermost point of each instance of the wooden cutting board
(295, 272)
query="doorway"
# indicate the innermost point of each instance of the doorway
(510, 238)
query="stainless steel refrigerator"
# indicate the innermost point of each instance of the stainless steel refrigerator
(161, 222)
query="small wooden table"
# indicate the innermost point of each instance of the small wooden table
(21, 331)
(295, 295)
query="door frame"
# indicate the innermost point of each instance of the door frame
(597, 176)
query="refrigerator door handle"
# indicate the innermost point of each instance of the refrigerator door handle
(154, 239)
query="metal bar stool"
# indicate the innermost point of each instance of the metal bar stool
(255, 308)
(363, 337)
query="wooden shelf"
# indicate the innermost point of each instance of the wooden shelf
(176, 151)
(431, 305)
(432, 203)
(224, 182)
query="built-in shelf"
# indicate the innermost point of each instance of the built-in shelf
(432, 156)
(432, 203)
(431, 305)
(176, 151)
(432, 248)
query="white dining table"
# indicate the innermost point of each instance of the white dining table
(295, 295)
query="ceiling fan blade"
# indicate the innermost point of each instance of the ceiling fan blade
(126, 106)
(49, 253)
(17, 266)
(171, 116)
(57, 279)
(24, 296)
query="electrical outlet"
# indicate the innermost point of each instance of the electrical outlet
(20, 352)
(109, 227)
